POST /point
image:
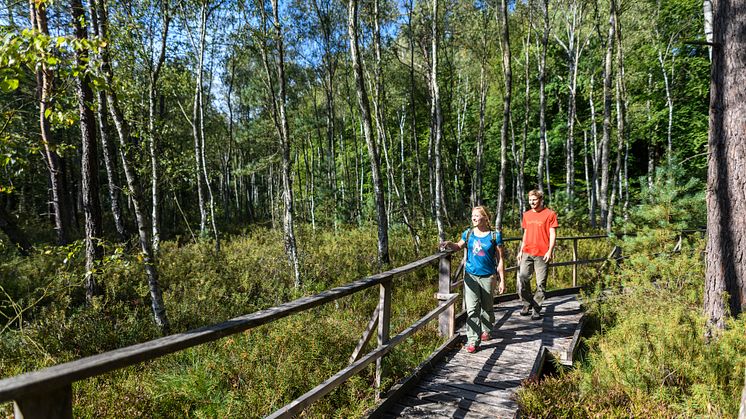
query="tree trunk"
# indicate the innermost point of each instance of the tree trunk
(89, 161)
(606, 139)
(45, 81)
(378, 101)
(725, 274)
(153, 77)
(595, 157)
(436, 123)
(288, 222)
(128, 146)
(16, 236)
(196, 107)
(383, 237)
(543, 166)
(479, 158)
(507, 94)
(106, 146)
(707, 11)
(413, 106)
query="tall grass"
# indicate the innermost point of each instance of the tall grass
(247, 375)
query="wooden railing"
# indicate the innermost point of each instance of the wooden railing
(575, 262)
(47, 393)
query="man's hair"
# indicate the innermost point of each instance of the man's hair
(537, 193)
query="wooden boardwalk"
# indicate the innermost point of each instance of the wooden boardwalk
(483, 384)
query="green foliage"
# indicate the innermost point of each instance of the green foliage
(651, 358)
(247, 375)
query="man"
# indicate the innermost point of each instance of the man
(539, 236)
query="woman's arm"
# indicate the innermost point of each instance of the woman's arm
(500, 270)
(448, 245)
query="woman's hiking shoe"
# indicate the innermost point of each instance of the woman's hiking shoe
(471, 348)
(536, 315)
(525, 311)
(485, 336)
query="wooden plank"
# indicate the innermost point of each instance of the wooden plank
(575, 265)
(500, 400)
(367, 334)
(494, 388)
(384, 325)
(53, 404)
(400, 389)
(63, 374)
(459, 406)
(446, 321)
(297, 405)
(504, 370)
(415, 408)
(487, 380)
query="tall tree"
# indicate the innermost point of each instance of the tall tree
(542, 169)
(128, 145)
(725, 273)
(507, 95)
(436, 121)
(155, 65)
(89, 162)
(606, 138)
(45, 82)
(573, 47)
(367, 124)
(288, 222)
(109, 154)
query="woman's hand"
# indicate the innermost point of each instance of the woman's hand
(446, 245)
(501, 286)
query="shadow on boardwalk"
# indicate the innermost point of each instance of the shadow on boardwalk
(483, 384)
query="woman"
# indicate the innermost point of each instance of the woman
(484, 258)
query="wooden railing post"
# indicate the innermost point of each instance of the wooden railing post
(575, 265)
(384, 322)
(447, 319)
(52, 404)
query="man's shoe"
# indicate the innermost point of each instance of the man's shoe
(471, 348)
(525, 311)
(485, 336)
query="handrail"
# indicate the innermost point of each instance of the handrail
(456, 281)
(51, 386)
(297, 405)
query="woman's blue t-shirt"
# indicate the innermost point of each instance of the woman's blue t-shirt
(481, 259)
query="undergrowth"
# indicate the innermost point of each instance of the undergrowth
(650, 357)
(250, 374)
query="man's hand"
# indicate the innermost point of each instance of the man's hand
(548, 256)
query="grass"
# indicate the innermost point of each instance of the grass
(249, 374)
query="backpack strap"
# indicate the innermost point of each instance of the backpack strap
(466, 247)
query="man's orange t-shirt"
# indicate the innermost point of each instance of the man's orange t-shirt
(537, 225)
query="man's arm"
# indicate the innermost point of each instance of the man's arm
(552, 241)
(519, 252)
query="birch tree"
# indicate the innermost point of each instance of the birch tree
(367, 125)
